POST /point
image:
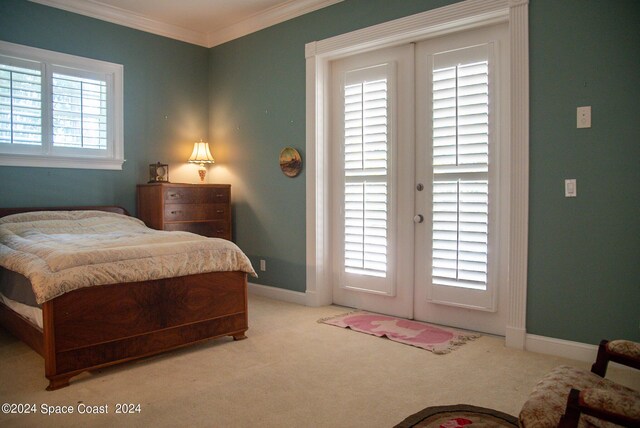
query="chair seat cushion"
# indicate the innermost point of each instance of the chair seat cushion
(625, 347)
(618, 402)
(548, 401)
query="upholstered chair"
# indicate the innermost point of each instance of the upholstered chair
(572, 397)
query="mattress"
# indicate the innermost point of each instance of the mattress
(17, 294)
(31, 313)
(61, 251)
(16, 287)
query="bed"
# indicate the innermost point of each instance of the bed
(89, 327)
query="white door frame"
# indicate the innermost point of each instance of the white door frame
(459, 16)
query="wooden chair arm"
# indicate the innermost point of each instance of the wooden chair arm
(619, 351)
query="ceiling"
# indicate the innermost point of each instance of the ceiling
(202, 22)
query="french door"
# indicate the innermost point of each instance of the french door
(418, 135)
(372, 181)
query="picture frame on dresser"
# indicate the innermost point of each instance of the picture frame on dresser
(204, 209)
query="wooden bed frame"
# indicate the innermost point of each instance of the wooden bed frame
(98, 326)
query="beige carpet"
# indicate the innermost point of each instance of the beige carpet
(290, 372)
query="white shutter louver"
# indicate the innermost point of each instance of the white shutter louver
(366, 202)
(79, 112)
(20, 105)
(460, 174)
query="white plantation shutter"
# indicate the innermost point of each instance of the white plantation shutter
(366, 228)
(20, 105)
(79, 112)
(366, 190)
(461, 168)
(59, 110)
(460, 233)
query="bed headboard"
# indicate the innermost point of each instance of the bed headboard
(108, 208)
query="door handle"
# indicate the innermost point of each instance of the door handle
(418, 218)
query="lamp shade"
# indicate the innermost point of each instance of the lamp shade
(201, 153)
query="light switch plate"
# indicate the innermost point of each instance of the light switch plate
(570, 188)
(584, 117)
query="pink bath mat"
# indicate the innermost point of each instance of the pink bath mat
(426, 336)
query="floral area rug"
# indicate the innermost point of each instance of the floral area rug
(458, 416)
(426, 336)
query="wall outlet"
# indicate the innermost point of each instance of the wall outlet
(263, 265)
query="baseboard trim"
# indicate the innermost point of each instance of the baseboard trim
(515, 338)
(533, 343)
(561, 348)
(277, 293)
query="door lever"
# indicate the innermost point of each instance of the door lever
(418, 218)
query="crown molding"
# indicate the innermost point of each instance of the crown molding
(126, 18)
(256, 22)
(267, 18)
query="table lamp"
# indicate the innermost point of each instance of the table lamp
(201, 155)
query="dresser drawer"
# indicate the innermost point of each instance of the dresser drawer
(204, 209)
(212, 229)
(196, 212)
(195, 195)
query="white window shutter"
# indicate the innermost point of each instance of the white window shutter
(366, 224)
(460, 233)
(366, 202)
(20, 105)
(461, 169)
(79, 112)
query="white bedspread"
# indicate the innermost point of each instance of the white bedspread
(60, 251)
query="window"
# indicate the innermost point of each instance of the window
(79, 112)
(461, 168)
(365, 172)
(59, 110)
(20, 105)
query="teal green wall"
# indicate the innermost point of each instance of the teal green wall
(584, 252)
(165, 104)
(584, 267)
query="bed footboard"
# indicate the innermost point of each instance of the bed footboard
(99, 326)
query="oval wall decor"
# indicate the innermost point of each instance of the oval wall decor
(290, 162)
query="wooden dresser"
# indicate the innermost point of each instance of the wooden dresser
(204, 209)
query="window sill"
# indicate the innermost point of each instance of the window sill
(60, 162)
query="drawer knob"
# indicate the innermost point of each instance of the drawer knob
(174, 195)
(176, 212)
(219, 211)
(219, 195)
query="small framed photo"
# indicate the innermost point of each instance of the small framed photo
(158, 173)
